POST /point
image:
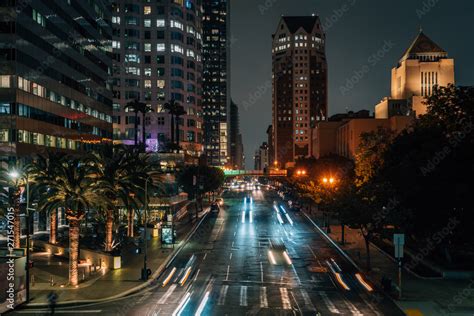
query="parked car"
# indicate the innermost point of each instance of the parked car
(215, 208)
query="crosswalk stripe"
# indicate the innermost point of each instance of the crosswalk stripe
(168, 293)
(263, 297)
(307, 300)
(353, 309)
(222, 295)
(285, 299)
(328, 303)
(243, 295)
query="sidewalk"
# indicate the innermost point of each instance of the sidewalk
(101, 285)
(421, 296)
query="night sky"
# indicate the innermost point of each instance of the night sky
(365, 28)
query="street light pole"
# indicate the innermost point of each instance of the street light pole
(15, 176)
(145, 270)
(27, 239)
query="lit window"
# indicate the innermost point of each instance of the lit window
(177, 49)
(190, 53)
(4, 81)
(160, 23)
(147, 83)
(147, 47)
(115, 44)
(160, 47)
(160, 84)
(146, 10)
(147, 72)
(147, 23)
(116, 19)
(176, 24)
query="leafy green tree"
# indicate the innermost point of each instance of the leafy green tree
(430, 167)
(369, 157)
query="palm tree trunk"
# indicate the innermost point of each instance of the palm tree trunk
(177, 132)
(16, 219)
(53, 220)
(172, 129)
(136, 128)
(143, 132)
(131, 215)
(109, 230)
(367, 248)
(73, 251)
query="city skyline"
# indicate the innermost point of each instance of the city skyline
(254, 22)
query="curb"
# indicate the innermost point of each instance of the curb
(339, 249)
(169, 259)
(346, 256)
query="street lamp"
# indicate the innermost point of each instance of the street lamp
(15, 175)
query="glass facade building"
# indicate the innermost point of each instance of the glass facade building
(54, 76)
(157, 48)
(216, 81)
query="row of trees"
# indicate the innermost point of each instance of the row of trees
(175, 110)
(110, 178)
(416, 182)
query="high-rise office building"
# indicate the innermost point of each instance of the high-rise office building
(216, 81)
(423, 66)
(236, 146)
(157, 58)
(299, 86)
(54, 68)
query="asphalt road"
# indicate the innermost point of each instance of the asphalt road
(226, 269)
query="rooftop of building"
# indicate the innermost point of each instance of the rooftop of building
(422, 45)
(294, 23)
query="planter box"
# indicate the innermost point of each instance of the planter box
(93, 258)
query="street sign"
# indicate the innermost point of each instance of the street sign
(398, 242)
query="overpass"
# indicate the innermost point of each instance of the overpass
(258, 173)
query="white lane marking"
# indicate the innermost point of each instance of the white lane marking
(328, 303)
(235, 233)
(285, 299)
(307, 300)
(243, 295)
(314, 255)
(168, 293)
(353, 309)
(144, 297)
(263, 297)
(261, 272)
(232, 245)
(222, 295)
(197, 273)
(298, 308)
(296, 273)
(227, 274)
(205, 256)
(230, 256)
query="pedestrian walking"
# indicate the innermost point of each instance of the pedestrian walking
(52, 298)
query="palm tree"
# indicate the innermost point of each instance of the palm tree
(117, 165)
(179, 112)
(45, 166)
(77, 187)
(172, 108)
(137, 107)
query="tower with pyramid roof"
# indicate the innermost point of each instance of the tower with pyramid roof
(422, 66)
